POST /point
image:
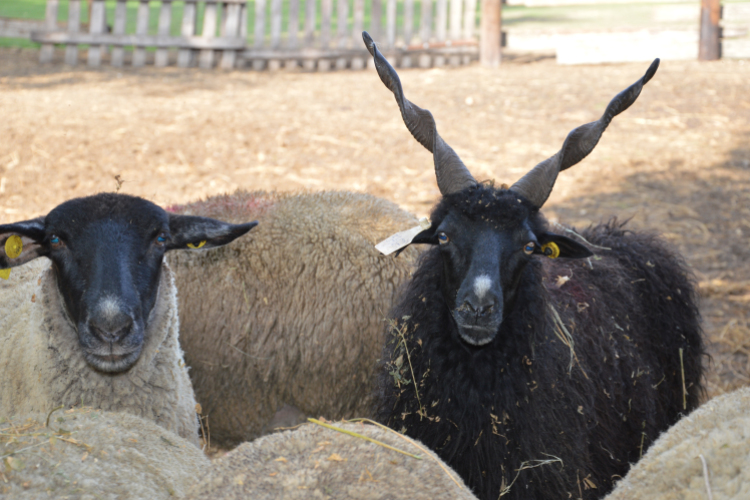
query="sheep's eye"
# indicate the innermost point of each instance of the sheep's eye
(55, 241)
(529, 248)
(161, 240)
(443, 238)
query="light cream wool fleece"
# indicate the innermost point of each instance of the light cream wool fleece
(88, 454)
(42, 365)
(672, 469)
(293, 314)
(314, 462)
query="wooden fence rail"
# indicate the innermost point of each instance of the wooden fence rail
(318, 34)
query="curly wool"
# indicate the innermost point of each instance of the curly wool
(672, 469)
(92, 454)
(315, 462)
(527, 414)
(287, 321)
(42, 365)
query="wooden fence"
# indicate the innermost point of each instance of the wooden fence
(425, 33)
(229, 40)
(318, 34)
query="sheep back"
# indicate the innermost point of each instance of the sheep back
(672, 469)
(42, 364)
(315, 462)
(291, 315)
(87, 454)
(572, 417)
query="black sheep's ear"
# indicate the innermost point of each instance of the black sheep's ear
(20, 243)
(554, 246)
(190, 232)
(427, 237)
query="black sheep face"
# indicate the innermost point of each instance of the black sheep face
(487, 237)
(107, 252)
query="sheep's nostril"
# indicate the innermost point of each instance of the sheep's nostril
(485, 310)
(477, 310)
(467, 307)
(113, 330)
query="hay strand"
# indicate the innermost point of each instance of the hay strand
(531, 464)
(684, 390)
(705, 477)
(566, 338)
(360, 436)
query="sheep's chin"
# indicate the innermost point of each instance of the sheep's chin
(476, 336)
(112, 363)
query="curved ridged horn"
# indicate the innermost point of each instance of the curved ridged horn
(452, 175)
(537, 184)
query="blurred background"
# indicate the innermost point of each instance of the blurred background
(176, 101)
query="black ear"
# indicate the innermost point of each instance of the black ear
(427, 236)
(191, 232)
(554, 245)
(21, 242)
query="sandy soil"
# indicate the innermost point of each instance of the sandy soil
(677, 162)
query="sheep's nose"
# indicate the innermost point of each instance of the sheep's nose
(479, 308)
(111, 329)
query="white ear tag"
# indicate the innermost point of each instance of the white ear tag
(403, 238)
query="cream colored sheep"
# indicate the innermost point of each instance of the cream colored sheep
(43, 365)
(288, 321)
(672, 469)
(92, 454)
(100, 325)
(313, 462)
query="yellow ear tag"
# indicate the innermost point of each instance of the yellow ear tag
(551, 250)
(5, 273)
(199, 245)
(13, 246)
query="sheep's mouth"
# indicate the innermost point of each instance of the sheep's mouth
(477, 335)
(474, 332)
(113, 363)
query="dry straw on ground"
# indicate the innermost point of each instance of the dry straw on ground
(677, 162)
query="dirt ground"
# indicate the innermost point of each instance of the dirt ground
(677, 162)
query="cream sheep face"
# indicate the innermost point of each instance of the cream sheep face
(107, 252)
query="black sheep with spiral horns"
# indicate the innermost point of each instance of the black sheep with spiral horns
(528, 385)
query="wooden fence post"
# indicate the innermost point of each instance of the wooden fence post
(48, 49)
(709, 48)
(358, 18)
(161, 58)
(185, 56)
(74, 26)
(230, 28)
(141, 28)
(206, 57)
(491, 26)
(97, 26)
(121, 14)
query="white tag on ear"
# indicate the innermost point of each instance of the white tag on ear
(403, 238)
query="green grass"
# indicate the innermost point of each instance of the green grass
(23, 9)
(23, 43)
